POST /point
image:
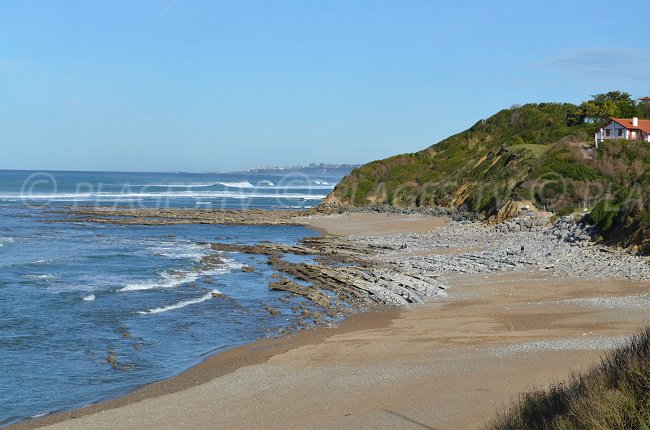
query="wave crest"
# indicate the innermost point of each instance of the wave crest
(241, 184)
(182, 303)
(121, 197)
(172, 280)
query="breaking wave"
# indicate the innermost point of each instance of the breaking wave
(175, 279)
(179, 251)
(167, 280)
(76, 197)
(45, 277)
(241, 184)
(181, 304)
(4, 240)
(192, 185)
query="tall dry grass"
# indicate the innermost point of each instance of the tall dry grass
(613, 395)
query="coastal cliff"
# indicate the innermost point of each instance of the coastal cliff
(541, 156)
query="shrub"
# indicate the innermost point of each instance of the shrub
(614, 395)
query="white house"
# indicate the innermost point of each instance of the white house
(624, 128)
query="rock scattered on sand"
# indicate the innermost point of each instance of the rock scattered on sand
(363, 271)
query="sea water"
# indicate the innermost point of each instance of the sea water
(93, 311)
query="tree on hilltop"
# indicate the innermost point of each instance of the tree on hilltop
(607, 105)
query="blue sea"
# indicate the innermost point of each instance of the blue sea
(89, 311)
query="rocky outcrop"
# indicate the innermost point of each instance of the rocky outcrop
(572, 231)
(559, 250)
(345, 274)
(526, 224)
(509, 210)
(165, 216)
(568, 229)
(316, 296)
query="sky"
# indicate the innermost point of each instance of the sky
(164, 85)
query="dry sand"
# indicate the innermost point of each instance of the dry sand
(374, 224)
(447, 365)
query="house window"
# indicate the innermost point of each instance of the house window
(620, 132)
(607, 132)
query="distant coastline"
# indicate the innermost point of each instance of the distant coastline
(311, 169)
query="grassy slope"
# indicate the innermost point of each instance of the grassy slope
(532, 152)
(614, 395)
(535, 148)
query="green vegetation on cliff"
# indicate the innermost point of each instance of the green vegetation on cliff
(537, 152)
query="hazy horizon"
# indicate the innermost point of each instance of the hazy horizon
(167, 86)
(215, 172)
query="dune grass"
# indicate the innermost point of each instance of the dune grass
(613, 395)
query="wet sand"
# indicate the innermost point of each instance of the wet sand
(446, 365)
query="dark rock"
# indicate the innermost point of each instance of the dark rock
(271, 310)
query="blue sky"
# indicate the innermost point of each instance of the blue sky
(160, 85)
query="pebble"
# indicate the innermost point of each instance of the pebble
(562, 250)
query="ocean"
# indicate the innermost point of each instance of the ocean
(90, 311)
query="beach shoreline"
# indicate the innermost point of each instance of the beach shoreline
(465, 323)
(220, 364)
(231, 359)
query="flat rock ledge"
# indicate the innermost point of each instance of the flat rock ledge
(343, 275)
(167, 216)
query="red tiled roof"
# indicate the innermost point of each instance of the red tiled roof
(645, 98)
(644, 124)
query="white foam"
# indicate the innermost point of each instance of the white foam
(304, 187)
(4, 240)
(242, 184)
(181, 304)
(166, 281)
(268, 185)
(41, 262)
(180, 251)
(89, 298)
(45, 277)
(135, 196)
(227, 267)
(192, 185)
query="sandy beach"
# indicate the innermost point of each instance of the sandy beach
(374, 224)
(451, 363)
